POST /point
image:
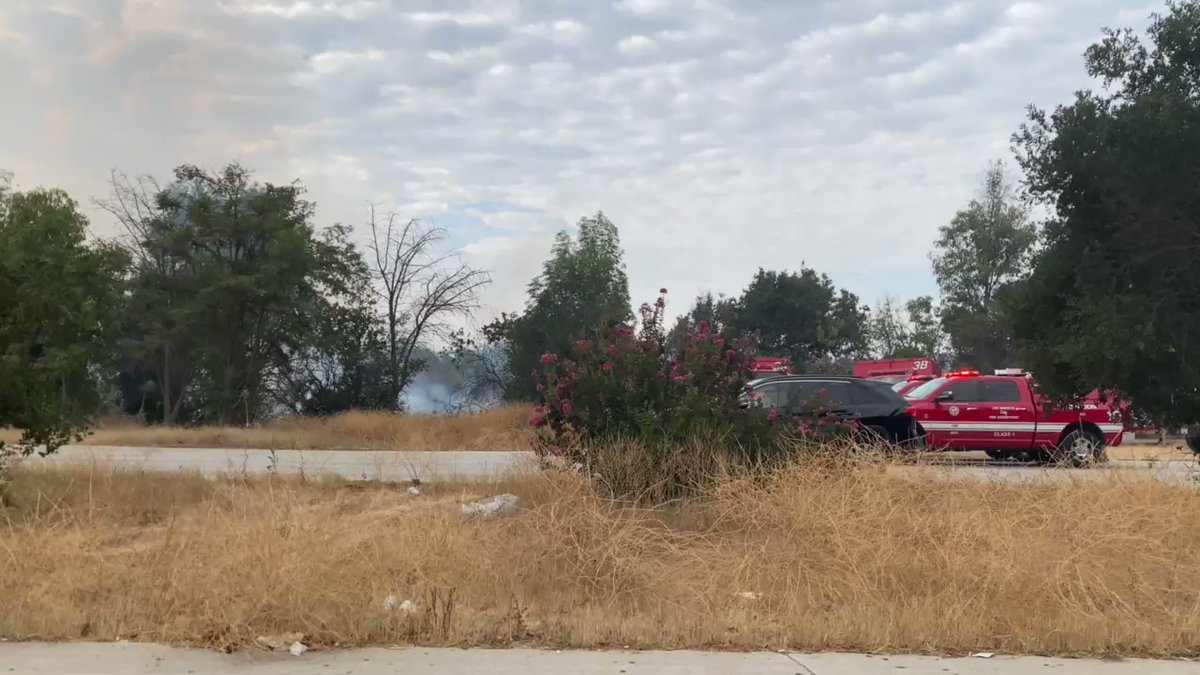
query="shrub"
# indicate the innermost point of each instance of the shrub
(623, 384)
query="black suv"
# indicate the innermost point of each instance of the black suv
(871, 403)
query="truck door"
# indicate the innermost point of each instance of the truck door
(961, 416)
(1009, 418)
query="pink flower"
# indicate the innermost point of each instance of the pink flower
(549, 359)
(679, 379)
(565, 407)
(607, 367)
(719, 341)
(612, 349)
(662, 291)
(537, 421)
(730, 354)
(624, 331)
(560, 389)
(772, 416)
(660, 303)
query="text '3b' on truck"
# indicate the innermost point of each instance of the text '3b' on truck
(1004, 416)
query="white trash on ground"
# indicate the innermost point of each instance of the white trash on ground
(984, 655)
(489, 508)
(392, 603)
(749, 595)
(279, 643)
(414, 490)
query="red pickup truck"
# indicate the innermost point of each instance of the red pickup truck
(1004, 416)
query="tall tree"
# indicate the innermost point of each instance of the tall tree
(978, 255)
(228, 275)
(1114, 296)
(582, 287)
(804, 317)
(907, 331)
(60, 300)
(420, 288)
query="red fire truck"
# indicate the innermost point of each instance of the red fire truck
(1004, 416)
(769, 365)
(897, 370)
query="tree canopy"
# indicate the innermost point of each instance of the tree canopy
(60, 303)
(582, 288)
(977, 257)
(1113, 300)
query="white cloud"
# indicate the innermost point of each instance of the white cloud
(720, 136)
(635, 45)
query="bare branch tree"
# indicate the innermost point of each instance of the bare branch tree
(133, 203)
(420, 288)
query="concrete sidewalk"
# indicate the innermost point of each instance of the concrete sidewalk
(132, 659)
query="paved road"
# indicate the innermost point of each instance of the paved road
(130, 659)
(350, 464)
(472, 465)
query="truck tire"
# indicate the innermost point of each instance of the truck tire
(1080, 448)
(998, 455)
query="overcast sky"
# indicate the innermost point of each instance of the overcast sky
(719, 135)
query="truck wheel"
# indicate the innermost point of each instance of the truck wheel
(1080, 448)
(997, 454)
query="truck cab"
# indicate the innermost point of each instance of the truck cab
(1004, 416)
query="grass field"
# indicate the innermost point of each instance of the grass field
(845, 557)
(502, 428)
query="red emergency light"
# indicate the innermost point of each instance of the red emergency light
(965, 373)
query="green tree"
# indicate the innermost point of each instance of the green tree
(1113, 300)
(717, 312)
(977, 257)
(582, 288)
(60, 300)
(228, 277)
(907, 332)
(804, 317)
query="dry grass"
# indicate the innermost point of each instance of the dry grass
(502, 428)
(1171, 451)
(846, 557)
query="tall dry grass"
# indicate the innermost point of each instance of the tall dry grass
(502, 428)
(846, 557)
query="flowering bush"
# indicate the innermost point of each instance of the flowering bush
(624, 383)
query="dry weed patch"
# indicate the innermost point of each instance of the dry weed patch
(817, 556)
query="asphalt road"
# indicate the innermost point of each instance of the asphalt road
(132, 659)
(469, 465)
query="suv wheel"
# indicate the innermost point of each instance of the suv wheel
(1080, 448)
(871, 437)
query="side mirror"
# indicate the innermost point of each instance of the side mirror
(944, 396)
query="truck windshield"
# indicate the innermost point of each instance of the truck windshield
(926, 389)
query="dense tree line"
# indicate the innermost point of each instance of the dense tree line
(224, 302)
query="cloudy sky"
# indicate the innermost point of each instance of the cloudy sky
(719, 135)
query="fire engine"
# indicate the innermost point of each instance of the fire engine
(769, 365)
(1004, 416)
(896, 370)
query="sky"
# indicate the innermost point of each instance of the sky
(719, 135)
